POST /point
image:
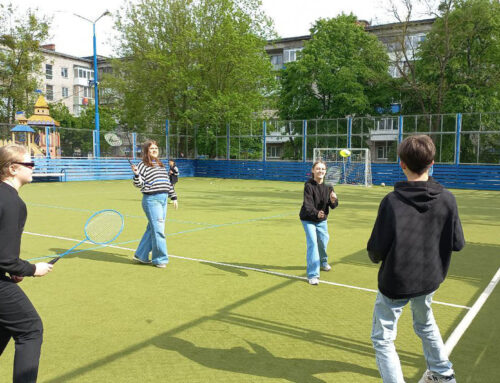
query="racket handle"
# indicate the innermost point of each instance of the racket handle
(130, 162)
(54, 260)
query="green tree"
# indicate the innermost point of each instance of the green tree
(342, 70)
(194, 63)
(456, 68)
(20, 59)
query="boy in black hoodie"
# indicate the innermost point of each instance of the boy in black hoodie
(416, 230)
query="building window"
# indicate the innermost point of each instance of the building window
(290, 55)
(65, 92)
(414, 41)
(48, 71)
(383, 151)
(64, 72)
(273, 152)
(277, 61)
(49, 92)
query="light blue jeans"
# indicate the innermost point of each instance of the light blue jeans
(385, 320)
(317, 240)
(153, 240)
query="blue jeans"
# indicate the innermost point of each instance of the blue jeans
(153, 240)
(385, 319)
(317, 240)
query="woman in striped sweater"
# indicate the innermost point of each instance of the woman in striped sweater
(151, 176)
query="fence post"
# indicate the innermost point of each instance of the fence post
(167, 143)
(264, 146)
(228, 141)
(195, 130)
(349, 131)
(134, 144)
(47, 142)
(457, 142)
(304, 140)
(94, 143)
(400, 133)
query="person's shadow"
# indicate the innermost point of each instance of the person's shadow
(259, 361)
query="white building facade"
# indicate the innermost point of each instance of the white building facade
(67, 79)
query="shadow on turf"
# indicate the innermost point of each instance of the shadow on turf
(243, 273)
(101, 256)
(258, 361)
(472, 265)
(255, 360)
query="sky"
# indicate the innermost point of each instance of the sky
(73, 36)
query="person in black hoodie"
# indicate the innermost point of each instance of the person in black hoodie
(318, 199)
(415, 232)
(173, 174)
(18, 317)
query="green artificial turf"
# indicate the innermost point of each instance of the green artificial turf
(108, 319)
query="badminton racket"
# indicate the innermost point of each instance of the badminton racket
(101, 228)
(332, 175)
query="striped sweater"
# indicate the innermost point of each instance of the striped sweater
(153, 180)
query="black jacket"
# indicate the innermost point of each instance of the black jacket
(173, 174)
(12, 219)
(316, 198)
(416, 230)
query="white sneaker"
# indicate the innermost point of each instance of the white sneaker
(326, 267)
(161, 265)
(313, 281)
(429, 377)
(140, 260)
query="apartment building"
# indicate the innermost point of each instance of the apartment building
(287, 49)
(67, 79)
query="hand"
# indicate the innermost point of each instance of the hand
(42, 268)
(176, 204)
(16, 278)
(321, 214)
(333, 196)
(135, 170)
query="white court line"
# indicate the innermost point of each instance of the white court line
(246, 268)
(471, 314)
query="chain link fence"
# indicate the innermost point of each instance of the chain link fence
(469, 138)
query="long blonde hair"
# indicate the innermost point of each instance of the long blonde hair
(8, 155)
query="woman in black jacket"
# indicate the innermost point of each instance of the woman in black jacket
(318, 200)
(18, 317)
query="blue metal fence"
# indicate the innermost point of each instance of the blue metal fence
(462, 176)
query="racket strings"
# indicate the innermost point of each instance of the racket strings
(104, 227)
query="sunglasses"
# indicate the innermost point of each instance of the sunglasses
(30, 165)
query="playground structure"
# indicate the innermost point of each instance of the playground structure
(35, 132)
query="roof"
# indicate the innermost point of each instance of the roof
(22, 128)
(41, 103)
(38, 119)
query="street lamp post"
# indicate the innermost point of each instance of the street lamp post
(96, 83)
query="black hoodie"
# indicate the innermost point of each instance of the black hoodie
(316, 198)
(416, 230)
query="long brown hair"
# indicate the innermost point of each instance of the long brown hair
(146, 158)
(8, 155)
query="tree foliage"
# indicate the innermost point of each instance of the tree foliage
(457, 67)
(20, 59)
(342, 70)
(191, 62)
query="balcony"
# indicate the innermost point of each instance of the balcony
(82, 81)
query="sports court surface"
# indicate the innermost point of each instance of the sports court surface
(233, 305)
